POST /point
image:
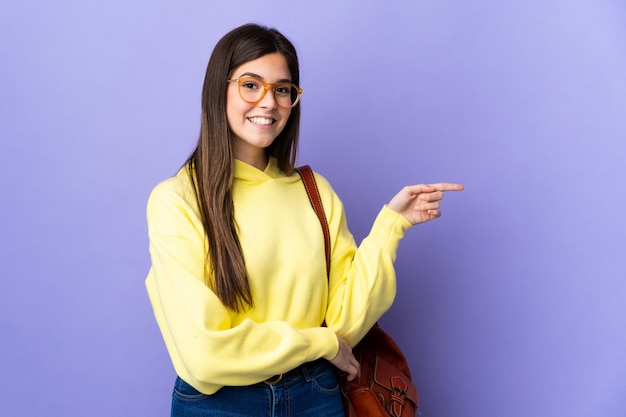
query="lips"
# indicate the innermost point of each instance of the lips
(261, 121)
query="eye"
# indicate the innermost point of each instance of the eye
(251, 84)
(284, 89)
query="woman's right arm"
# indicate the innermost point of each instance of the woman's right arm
(208, 346)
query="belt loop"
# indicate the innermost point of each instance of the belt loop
(305, 372)
(274, 380)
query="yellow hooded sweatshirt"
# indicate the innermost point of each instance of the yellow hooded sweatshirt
(212, 346)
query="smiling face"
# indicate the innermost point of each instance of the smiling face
(255, 126)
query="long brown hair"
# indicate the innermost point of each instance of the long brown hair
(211, 163)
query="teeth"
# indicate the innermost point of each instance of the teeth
(261, 121)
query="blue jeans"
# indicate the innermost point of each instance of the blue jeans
(310, 390)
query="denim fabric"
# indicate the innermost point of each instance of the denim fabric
(311, 390)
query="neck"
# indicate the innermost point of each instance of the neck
(258, 161)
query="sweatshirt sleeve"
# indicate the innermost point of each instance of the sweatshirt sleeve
(209, 348)
(362, 279)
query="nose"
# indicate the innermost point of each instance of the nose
(268, 101)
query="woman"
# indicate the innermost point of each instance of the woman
(238, 281)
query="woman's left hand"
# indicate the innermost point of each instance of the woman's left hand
(420, 203)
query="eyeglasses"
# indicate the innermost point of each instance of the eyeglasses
(252, 90)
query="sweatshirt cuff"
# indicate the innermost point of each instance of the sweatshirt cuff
(324, 343)
(388, 229)
(394, 222)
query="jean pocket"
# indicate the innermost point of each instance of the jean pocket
(184, 391)
(324, 379)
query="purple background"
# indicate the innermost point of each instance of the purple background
(512, 304)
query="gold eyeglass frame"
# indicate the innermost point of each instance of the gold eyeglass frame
(266, 86)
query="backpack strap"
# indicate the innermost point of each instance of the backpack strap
(310, 185)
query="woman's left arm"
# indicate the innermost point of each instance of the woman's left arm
(362, 279)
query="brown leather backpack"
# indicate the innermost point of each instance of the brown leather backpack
(384, 387)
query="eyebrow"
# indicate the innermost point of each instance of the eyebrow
(252, 74)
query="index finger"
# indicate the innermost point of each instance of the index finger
(446, 186)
